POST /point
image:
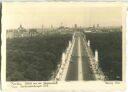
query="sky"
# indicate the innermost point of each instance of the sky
(37, 14)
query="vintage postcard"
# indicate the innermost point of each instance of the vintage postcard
(76, 46)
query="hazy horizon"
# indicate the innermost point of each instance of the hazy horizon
(35, 15)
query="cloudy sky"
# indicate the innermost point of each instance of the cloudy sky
(38, 14)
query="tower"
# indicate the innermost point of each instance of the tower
(98, 25)
(51, 26)
(42, 26)
(75, 26)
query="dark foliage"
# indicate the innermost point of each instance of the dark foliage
(109, 46)
(34, 58)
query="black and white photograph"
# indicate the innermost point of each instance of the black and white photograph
(63, 42)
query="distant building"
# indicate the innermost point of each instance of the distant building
(33, 32)
(75, 26)
(61, 28)
(19, 32)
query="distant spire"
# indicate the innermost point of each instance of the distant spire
(20, 27)
(51, 26)
(75, 25)
(42, 26)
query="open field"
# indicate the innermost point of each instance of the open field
(34, 58)
(109, 46)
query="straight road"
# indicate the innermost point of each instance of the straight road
(79, 67)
